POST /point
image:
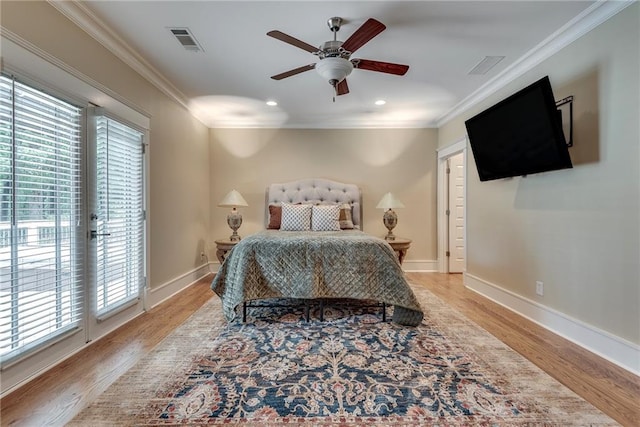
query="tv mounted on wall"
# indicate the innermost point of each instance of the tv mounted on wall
(520, 135)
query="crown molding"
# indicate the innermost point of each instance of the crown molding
(590, 18)
(586, 21)
(80, 15)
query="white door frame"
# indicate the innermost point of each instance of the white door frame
(441, 201)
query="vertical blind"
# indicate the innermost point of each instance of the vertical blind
(41, 294)
(120, 214)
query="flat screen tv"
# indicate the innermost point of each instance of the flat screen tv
(520, 135)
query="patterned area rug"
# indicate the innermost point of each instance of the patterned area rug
(351, 369)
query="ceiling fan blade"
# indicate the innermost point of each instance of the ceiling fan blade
(382, 67)
(294, 72)
(292, 41)
(342, 88)
(366, 32)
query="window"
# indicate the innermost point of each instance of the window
(41, 248)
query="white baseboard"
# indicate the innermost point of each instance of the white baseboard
(615, 349)
(165, 291)
(421, 266)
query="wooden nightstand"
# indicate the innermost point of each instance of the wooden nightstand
(223, 246)
(401, 246)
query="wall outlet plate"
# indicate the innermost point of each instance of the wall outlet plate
(539, 288)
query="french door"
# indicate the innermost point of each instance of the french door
(72, 226)
(116, 222)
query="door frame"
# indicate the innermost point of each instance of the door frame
(441, 201)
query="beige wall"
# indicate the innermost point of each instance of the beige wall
(576, 230)
(402, 161)
(179, 144)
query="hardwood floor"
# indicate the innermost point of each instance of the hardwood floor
(58, 395)
(613, 390)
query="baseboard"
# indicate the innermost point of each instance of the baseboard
(420, 266)
(615, 349)
(165, 291)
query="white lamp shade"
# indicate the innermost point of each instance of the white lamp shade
(389, 201)
(334, 68)
(232, 200)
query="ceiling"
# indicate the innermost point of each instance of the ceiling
(228, 83)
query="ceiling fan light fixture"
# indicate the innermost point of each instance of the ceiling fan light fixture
(334, 68)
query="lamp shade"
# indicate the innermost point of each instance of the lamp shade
(389, 201)
(334, 68)
(232, 200)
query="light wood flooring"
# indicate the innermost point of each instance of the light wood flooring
(58, 395)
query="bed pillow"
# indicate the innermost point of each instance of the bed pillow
(325, 218)
(345, 218)
(275, 217)
(296, 217)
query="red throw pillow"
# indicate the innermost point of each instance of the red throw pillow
(275, 217)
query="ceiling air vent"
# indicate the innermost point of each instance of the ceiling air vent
(486, 64)
(186, 39)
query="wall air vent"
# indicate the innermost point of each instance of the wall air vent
(186, 39)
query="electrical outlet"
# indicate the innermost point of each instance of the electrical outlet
(539, 288)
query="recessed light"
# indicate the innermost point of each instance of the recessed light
(380, 102)
(272, 103)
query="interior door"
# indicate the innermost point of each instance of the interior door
(117, 224)
(456, 211)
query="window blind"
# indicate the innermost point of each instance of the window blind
(41, 247)
(120, 210)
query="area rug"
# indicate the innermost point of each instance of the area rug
(352, 369)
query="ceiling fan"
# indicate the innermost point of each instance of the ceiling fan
(335, 56)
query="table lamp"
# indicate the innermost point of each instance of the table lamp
(233, 200)
(390, 219)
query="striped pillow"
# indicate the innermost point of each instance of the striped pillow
(346, 218)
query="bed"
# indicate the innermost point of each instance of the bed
(307, 253)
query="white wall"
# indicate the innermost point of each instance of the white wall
(576, 230)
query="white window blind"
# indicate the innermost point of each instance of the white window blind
(41, 293)
(120, 210)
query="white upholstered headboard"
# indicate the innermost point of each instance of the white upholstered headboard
(316, 190)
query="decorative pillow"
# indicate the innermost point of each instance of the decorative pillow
(295, 217)
(325, 218)
(345, 218)
(275, 217)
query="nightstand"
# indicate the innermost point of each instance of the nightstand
(401, 246)
(223, 246)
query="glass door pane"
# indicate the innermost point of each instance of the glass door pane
(118, 218)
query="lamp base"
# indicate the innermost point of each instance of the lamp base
(234, 219)
(390, 219)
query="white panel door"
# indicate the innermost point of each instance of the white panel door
(456, 214)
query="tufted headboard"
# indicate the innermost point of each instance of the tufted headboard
(316, 190)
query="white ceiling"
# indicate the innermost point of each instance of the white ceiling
(227, 84)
